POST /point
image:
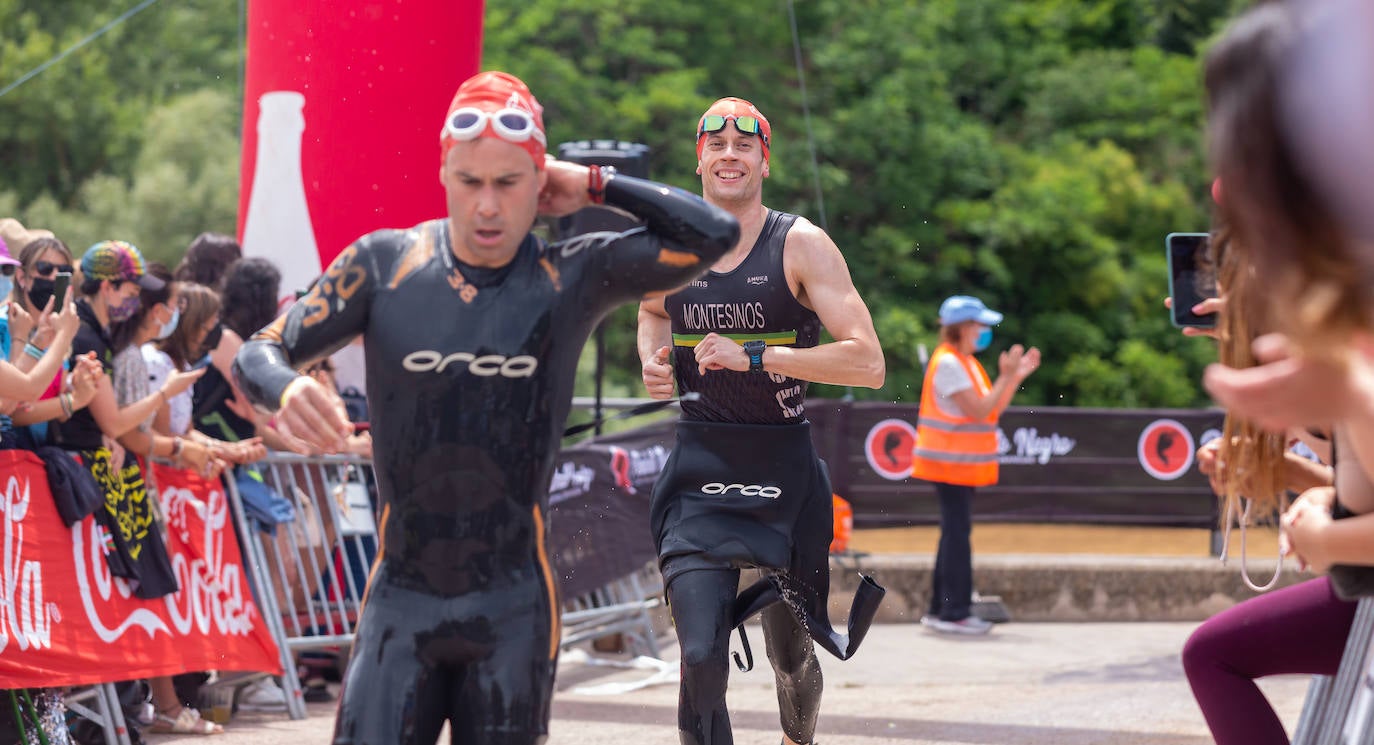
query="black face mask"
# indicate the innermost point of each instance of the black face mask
(40, 292)
(212, 339)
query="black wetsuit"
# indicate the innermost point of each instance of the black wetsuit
(744, 487)
(469, 380)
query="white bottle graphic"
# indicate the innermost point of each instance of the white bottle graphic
(278, 225)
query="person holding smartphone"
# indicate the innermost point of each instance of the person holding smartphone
(473, 327)
(30, 316)
(1299, 355)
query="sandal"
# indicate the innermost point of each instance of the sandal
(187, 722)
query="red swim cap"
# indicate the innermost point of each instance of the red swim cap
(497, 105)
(732, 109)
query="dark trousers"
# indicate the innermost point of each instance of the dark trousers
(951, 583)
(701, 601)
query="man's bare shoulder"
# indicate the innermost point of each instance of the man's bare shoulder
(808, 249)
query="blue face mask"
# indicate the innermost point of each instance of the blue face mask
(983, 340)
(6, 287)
(170, 325)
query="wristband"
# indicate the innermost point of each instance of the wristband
(596, 185)
(176, 447)
(34, 351)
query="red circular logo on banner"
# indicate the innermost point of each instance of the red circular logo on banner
(1166, 449)
(888, 448)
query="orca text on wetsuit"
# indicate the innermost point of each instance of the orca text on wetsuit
(469, 379)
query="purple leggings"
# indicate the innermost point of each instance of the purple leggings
(1298, 629)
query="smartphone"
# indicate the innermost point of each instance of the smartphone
(1192, 278)
(59, 290)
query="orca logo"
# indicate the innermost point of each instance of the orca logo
(426, 360)
(744, 490)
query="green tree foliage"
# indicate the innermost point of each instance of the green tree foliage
(1033, 153)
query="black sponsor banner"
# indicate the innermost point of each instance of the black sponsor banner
(1058, 464)
(599, 506)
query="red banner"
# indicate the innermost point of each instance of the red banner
(343, 103)
(64, 620)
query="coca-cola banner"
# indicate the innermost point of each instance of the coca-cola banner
(64, 620)
(343, 103)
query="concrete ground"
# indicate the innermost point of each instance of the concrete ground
(1024, 684)
(1085, 683)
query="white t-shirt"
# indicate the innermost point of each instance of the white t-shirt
(159, 369)
(950, 378)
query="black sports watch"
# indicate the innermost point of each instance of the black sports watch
(754, 348)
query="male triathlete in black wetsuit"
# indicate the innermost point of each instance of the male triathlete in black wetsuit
(744, 486)
(472, 330)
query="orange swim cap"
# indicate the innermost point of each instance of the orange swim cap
(497, 105)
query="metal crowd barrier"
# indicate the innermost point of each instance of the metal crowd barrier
(107, 712)
(1338, 709)
(619, 607)
(310, 572)
(310, 577)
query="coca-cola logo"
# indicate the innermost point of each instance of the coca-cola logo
(211, 594)
(23, 615)
(211, 588)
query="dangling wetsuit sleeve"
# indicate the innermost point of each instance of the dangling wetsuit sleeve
(329, 316)
(682, 237)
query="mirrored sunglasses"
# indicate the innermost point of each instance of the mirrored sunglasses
(749, 125)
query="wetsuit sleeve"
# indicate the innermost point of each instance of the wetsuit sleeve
(330, 315)
(682, 237)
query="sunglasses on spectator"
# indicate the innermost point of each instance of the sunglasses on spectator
(6, 270)
(44, 268)
(747, 124)
(511, 125)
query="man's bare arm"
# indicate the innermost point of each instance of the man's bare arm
(823, 284)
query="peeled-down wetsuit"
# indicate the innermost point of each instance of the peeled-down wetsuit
(744, 487)
(469, 380)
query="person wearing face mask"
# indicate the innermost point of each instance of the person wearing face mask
(156, 318)
(956, 447)
(113, 275)
(25, 369)
(32, 331)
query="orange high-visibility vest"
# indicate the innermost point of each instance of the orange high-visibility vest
(954, 449)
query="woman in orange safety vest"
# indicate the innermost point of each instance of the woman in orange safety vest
(956, 446)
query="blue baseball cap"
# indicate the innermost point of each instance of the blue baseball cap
(960, 308)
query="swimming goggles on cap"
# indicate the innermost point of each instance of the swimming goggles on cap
(511, 125)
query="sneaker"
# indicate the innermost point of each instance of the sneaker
(971, 625)
(262, 694)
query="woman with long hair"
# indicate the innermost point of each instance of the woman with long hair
(1288, 271)
(182, 349)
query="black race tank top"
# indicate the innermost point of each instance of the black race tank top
(752, 301)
